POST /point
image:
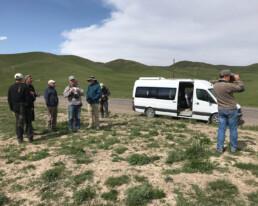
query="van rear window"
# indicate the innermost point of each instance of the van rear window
(156, 92)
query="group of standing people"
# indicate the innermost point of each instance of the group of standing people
(21, 97)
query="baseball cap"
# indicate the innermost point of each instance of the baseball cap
(51, 81)
(91, 78)
(71, 78)
(226, 72)
(18, 76)
(101, 84)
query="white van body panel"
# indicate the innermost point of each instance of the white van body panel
(200, 109)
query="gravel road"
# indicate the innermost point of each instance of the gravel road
(116, 105)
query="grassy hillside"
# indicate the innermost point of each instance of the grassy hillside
(119, 75)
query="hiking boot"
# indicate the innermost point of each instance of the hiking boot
(220, 151)
(30, 139)
(233, 150)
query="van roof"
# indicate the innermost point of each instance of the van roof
(204, 83)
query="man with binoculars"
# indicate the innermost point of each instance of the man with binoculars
(227, 107)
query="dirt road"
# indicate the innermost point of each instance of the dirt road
(116, 105)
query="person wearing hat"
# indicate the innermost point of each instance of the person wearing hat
(51, 100)
(93, 96)
(104, 100)
(29, 108)
(74, 92)
(17, 99)
(227, 108)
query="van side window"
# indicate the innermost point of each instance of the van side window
(204, 95)
(166, 93)
(156, 92)
(142, 92)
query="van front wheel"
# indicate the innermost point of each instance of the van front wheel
(150, 112)
(215, 118)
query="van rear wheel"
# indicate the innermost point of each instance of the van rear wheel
(215, 118)
(150, 112)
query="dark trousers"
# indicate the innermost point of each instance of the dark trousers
(28, 122)
(19, 128)
(104, 106)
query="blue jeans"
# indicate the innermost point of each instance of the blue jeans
(74, 113)
(227, 117)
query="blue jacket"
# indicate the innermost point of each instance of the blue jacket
(51, 97)
(93, 93)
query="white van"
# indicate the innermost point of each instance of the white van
(185, 98)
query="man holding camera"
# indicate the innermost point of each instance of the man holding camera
(227, 107)
(74, 92)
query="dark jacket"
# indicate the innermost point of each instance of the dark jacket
(51, 97)
(93, 93)
(105, 91)
(17, 96)
(31, 98)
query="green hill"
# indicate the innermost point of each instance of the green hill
(119, 75)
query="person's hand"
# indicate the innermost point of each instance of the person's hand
(49, 108)
(236, 76)
(102, 96)
(71, 89)
(32, 93)
(77, 90)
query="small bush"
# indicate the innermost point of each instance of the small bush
(142, 194)
(52, 174)
(248, 166)
(197, 165)
(80, 178)
(120, 150)
(175, 156)
(140, 178)
(223, 188)
(138, 159)
(83, 195)
(117, 181)
(253, 198)
(110, 196)
(3, 199)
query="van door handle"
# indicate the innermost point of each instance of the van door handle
(174, 101)
(197, 103)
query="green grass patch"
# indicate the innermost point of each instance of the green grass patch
(110, 196)
(120, 149)
(141, 159)
(85, 194)
(141, 179)
(248, 166)
(80, 178)
(3, 199)
(142, 194)
(253, 198)
(117, 181)
(52, 175)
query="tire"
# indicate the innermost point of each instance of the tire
(215, 118)
(150, 112)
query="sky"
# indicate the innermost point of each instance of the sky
(152, 32)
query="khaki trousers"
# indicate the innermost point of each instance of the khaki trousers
(51, 118)
(93, 110)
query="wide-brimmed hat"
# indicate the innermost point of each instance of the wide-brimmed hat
(51, 81)
(226, 72)
(91, 78)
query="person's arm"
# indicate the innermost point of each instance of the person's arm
(108, 92)
(10, 99)
(46, 95)
(67, 92)
(80, 91)
(239, 86)
(98, 92)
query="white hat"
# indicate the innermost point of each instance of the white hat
(18, 76)
(51, 81)
(71, 78)
(101, 84)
